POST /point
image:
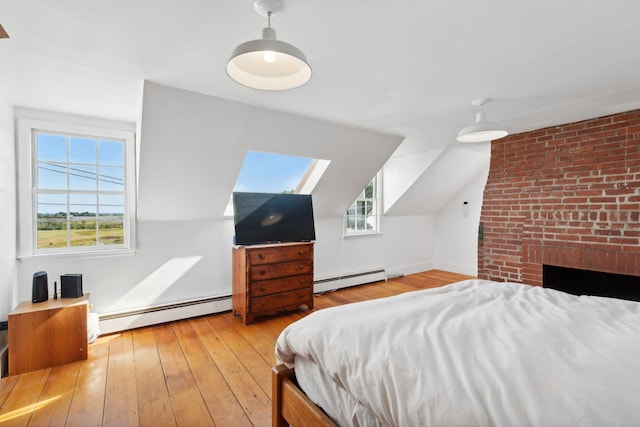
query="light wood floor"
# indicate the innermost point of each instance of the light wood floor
(210, 370)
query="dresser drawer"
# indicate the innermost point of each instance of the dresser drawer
(282, 269)
(275, 301)
(269, 255)
(267, 287)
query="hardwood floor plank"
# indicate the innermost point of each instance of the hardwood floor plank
(154, 402)
(186, 400)
(202, 371)
(121, 400)
(19, 407)
(6, 386)
(87, 405)
(55, 399)
(255, 403)
(252, 361)
(259, 342)
(219, 398)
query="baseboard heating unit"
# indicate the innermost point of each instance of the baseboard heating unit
(136, 318)
(351, 279)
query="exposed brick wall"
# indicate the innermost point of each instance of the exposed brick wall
(566, 195)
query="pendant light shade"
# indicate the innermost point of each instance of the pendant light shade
(268, 63)
(482, 130)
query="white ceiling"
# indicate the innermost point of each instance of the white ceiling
(406, 67)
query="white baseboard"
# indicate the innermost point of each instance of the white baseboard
(470, 270)
(409, 269)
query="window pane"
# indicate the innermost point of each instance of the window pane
(362, 216)
(271, 173)
(80, 200)
(111, 178)
(82, 150)
(111, 204)
(52, 148)
(368, 191)
(52, 221)
(82, 225)
(111, 153)
(82, 177)
(52, 176)
(111, 229)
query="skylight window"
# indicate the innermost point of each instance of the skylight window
(271, 173)
(277, 173)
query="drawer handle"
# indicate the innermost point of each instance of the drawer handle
(300, 252)
(262, 303)
(261, 256)
(301, 266)
(301, 280)
(262, 288)
(263, 272)
(300, 295)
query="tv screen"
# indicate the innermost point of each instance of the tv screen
(272, 218)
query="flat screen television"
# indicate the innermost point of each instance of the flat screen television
(272, 218)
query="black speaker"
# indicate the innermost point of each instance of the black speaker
(71, 285)
(40, 290)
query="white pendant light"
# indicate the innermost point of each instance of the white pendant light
(482, 130)
(268, 63)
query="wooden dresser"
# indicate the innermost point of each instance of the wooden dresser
(268, 279)
(47, 333)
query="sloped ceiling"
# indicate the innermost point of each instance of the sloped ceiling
(193, 145)
(447, 176)
(403, 68)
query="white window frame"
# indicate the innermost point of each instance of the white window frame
(27, 192)
(378, 210)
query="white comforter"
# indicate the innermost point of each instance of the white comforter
(478, 353)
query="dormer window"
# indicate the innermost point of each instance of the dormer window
(277, 173)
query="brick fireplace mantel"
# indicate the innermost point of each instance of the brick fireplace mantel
(567, 196)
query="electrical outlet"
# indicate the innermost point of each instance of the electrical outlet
(4, 325)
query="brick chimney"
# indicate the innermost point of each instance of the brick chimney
(566, 196)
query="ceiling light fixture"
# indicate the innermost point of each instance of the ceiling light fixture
(482, 130)
(268, 63)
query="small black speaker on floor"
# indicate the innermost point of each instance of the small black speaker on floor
(40, 289)
(71, 285)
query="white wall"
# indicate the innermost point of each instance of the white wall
(175, 261)
(191, 258)
(182, 260)
(8, 275)
(457, 232)
(192, 147)
(406, 245)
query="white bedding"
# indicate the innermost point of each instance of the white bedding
(477, 353)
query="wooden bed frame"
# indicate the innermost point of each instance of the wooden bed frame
(290, 406)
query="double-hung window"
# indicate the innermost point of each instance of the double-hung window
(76, 188)
(363, 217)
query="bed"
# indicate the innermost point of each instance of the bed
(471, 353)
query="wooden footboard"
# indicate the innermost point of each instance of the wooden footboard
(290, 406)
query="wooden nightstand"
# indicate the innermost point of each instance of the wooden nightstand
(47, 333)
